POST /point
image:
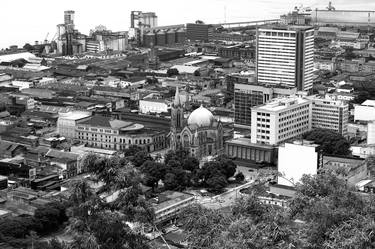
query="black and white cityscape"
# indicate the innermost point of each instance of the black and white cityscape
(187, 124)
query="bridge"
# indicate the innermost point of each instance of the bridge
(247, 23)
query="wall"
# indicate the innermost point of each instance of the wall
(295, 161)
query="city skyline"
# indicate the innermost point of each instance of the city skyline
(33, 23)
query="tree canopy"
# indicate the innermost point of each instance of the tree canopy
(100, 219)
(325, 213)
(331, 143)
(172, 72)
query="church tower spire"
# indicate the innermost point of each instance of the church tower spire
(177, 112)
(177, 99)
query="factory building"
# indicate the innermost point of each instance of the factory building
(106, 40)
(199, 32)
(140, 21)
(69, 40)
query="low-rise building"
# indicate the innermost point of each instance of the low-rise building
(66, 123)
(297, 159)
(106, 133)
(329, 114)
(365, 112)
(242, 149)
(170, 204)
(153, 106)
(352, 170)
(328, 65)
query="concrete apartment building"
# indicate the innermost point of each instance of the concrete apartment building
(329, 114)
(291, 168)
(285, 55)
(365, 112)
(248, 95)
(280, 119)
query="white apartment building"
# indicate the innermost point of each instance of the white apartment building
(329, 114)
(153, 106)
(371, 132)
(285, 55)
(280, 119)
(295, 160)
(365, 112)
(67, 122)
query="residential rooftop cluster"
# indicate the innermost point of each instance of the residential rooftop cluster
(292, 96)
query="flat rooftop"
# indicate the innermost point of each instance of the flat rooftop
(75, 115)
(247, 142)
(169, 198)
(287, 28)
(280, 104)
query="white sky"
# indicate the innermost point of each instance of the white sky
(24, 21)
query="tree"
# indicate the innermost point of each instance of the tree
(203, 225)
(191, 164)
(132, 150)
(49, 218)
(134, 207)
(370, 161)
(176, 178)
(178, 155)
(140, 158)
(217, 183)
(95, 224)
(153, 173)
(326, 203)
(51, 244)
(250, 225)
(170, 181)
(172, 72)
(227, 166)
(239, 177)
(331, 143)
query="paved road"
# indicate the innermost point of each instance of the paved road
(223, 200)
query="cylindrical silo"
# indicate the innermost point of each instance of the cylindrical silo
(171, 37)
(161, 38)
(181, 35)
(149, 39)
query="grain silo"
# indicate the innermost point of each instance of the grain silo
(181, 35)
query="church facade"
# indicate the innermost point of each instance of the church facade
(201, 134)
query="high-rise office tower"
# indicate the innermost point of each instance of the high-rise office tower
(285, 55)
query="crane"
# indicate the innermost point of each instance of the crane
(330, 7)
(45, 39)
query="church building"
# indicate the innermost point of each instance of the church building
(201, 134)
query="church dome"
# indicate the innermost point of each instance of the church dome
(201, 117)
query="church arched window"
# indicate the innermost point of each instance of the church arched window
(186, 140)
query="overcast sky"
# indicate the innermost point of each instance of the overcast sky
(24, 21)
